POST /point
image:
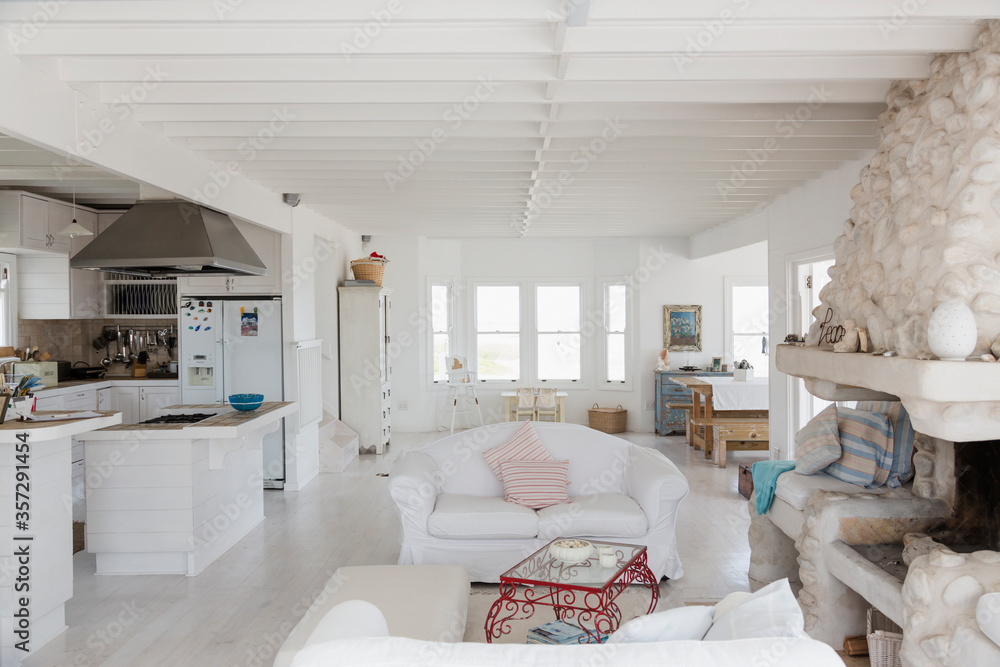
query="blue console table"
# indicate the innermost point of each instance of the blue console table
(672, 421)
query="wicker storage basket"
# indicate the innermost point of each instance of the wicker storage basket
(368, 269)
(884, 640)
(608, 420)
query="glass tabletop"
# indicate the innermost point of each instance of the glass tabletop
(541, 568)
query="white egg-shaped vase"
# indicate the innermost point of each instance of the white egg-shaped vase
(951, 331)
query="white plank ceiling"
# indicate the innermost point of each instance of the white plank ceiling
(495, 118)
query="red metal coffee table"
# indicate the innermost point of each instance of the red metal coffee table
(582, 594)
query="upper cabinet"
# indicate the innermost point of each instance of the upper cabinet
(29, 222)
(267, 244)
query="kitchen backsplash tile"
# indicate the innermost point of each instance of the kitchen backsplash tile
(70, 340)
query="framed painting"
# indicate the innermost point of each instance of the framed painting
(682, 328)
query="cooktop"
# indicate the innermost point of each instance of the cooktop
(180, 419)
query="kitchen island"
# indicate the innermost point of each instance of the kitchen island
(36, 547)
(170, 498)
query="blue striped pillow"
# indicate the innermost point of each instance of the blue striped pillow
(817, 444)
(866, 443)
(902, 435)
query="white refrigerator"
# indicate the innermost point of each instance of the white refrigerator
(233, 346)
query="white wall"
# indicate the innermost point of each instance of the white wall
(314, 261)
(660, 270)
(805, 221)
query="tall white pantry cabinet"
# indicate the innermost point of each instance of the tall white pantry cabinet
(365, 367)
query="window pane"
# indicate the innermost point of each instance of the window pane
(559, 356)
(750, 347)
(440, 352)
(615, 317)
(498, 308)
(558, 308)
(616, 357)
(499, 356)
(750, 313)
(439, 307)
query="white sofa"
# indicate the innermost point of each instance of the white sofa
(453, 512)
(355, 632)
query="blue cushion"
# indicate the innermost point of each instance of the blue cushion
(817, 444)
(902, 436)
(866, 443)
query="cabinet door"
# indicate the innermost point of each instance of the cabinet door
(267, 244)
(80, 400)
(60, 216)
(383, 332)
(47, 403)
(103, 399)
(83, 301)
(34, 223)
(126, 401)
(152, 399)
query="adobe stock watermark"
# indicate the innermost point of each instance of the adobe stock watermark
(785, 128)
(453, 117)
(582, 158)
(365, 35)
(899, 16)
(221, 179)
(711, 30)
(31, 25)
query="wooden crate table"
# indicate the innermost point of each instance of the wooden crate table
(582, 594)
(707, 421)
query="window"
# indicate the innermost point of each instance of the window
(557, 320)
(442, 322)
(615, 319)
(747, 319)
(498, 332)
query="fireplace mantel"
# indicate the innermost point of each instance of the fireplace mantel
(958, 401)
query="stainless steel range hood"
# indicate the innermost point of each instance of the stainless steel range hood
(168, 238)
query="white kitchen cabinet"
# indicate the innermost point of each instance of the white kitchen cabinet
(32, 222)
(49, 403)
(83, 297)
(365, 366)
(104, 399)
(152, 399)
(126, 401)
(267, 244)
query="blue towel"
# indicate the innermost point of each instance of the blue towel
(765, 478)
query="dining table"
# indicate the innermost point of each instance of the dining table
(724, 406)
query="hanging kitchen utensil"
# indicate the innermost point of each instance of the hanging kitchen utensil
(132, 356)
(99, 342)
(119, 356)
(106, 361)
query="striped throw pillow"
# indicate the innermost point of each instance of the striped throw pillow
(817, 444)
(525, 445)
(866, 448)
(902, 437)
(535, 484)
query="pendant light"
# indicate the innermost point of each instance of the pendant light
(74, 228)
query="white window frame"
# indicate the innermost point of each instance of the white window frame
(730, 282)
(453, 330)
(602, 352)
(533, 339)
(523, 351)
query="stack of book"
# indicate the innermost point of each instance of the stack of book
(558, 632)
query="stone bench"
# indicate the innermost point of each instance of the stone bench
(427, 602)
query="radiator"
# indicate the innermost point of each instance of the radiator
(310, 385)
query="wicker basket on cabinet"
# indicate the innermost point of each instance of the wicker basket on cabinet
(368, 269)
(608, 420)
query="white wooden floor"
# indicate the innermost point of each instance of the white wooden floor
(240, 609)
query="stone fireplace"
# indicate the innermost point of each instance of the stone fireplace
(925, 227)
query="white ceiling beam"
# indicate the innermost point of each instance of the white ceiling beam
(584, 130)
(360, 11)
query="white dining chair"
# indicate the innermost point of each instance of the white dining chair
(525, 404)
(545, 404)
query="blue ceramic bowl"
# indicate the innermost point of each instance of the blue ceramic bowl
(246, 402)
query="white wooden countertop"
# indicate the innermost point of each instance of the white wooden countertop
(229, 423)
(41, 431)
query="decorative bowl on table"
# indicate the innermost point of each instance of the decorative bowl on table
(571, 551)
(246, 402)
